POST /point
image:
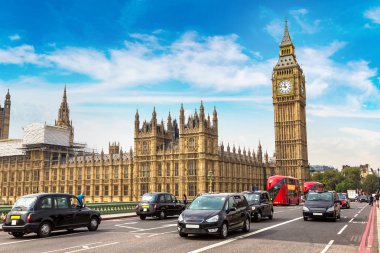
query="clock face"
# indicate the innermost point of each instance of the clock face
(285, 87)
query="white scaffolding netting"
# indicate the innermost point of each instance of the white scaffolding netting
(38, 133)
(10, 147)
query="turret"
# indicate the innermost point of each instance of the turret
(215, 119)
(154, 121)
(259, 155)
(4, 133)
(170, 124)
(64, 116)
(137, 123)
(181, 118)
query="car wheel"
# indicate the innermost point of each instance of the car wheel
(18, 234)
(305, 218)
(183, 234)
(162, 215)
(348, 207)
(44, 230)
(271, 215)
(224, 231)
(247, 225)
(142, 217)
(258, 216)
(94, 223)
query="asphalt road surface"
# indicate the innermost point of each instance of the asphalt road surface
(287, 232)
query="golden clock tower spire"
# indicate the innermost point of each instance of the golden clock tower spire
(289, 101)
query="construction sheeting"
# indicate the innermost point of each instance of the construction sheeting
(11, 147)
(37, 133)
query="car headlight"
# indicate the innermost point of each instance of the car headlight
(180, 218)
(330, 209)
(253, 208)
(213, 218)
(306, 209)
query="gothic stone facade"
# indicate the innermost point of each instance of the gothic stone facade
(180, 159)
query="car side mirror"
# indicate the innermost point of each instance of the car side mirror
(232, 209)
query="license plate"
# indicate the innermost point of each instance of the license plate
(192, 226)
(14, 222)
(145, 209)
(15, 217)
(317, 214)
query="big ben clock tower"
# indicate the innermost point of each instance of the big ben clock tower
(289, 101)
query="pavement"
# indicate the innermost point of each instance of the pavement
(287, 232)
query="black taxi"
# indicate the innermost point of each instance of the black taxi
(44, 212)
(159, 204)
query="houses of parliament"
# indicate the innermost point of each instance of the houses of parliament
(182, 156)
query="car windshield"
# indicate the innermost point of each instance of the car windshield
(342, 196)
(252, 197)
(24, 203)
(207, 203)
(319, 196)
(147, 197)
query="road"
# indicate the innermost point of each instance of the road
(287, 232)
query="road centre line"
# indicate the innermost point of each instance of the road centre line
(341, 231)
(355, 215)
(147, 229)
(87, 248)
(351, 220)
(162, 233)
(327, 246)
(28, 240)
(242, 236)
(56, 250)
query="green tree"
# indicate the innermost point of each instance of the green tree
(347, 184)
(353, 175)
(330, 178)
(371, 184)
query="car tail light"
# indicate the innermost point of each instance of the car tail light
(28, 218)
(4, 218)
(155, 206)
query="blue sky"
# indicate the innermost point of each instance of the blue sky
(119, 56)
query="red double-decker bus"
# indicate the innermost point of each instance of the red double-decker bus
(312, 186)
(284, 190)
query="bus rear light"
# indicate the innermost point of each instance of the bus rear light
(4, 218)
(155, 206)
(137, 206)
(28, 218)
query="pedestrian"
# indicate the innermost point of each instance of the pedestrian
(377, 198)
(370, 199)
(185, 199)
(81, 199)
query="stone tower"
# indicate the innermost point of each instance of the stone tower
(64, 116)
(289, 101)
(5, 115)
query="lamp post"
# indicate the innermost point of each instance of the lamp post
(211, 178)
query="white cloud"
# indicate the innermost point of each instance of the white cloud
(275, 29)
(373, 14)
(20, 55)
(307, 27)
(14, 37)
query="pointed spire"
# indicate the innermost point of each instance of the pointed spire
(8, 96)
(137, 115)
(64, 112)
(286, 41)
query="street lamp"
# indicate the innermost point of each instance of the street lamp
(211, 178)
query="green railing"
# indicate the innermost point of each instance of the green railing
(103, 208)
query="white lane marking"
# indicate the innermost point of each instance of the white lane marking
(351, 220)
(146, 229)
(162, 233)
(85, 245)
(359, 222)
(341, 231)
(242, 236)
(49, 238)
(345, 217)
(355, 215)
(103, 245)
(327, 246)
